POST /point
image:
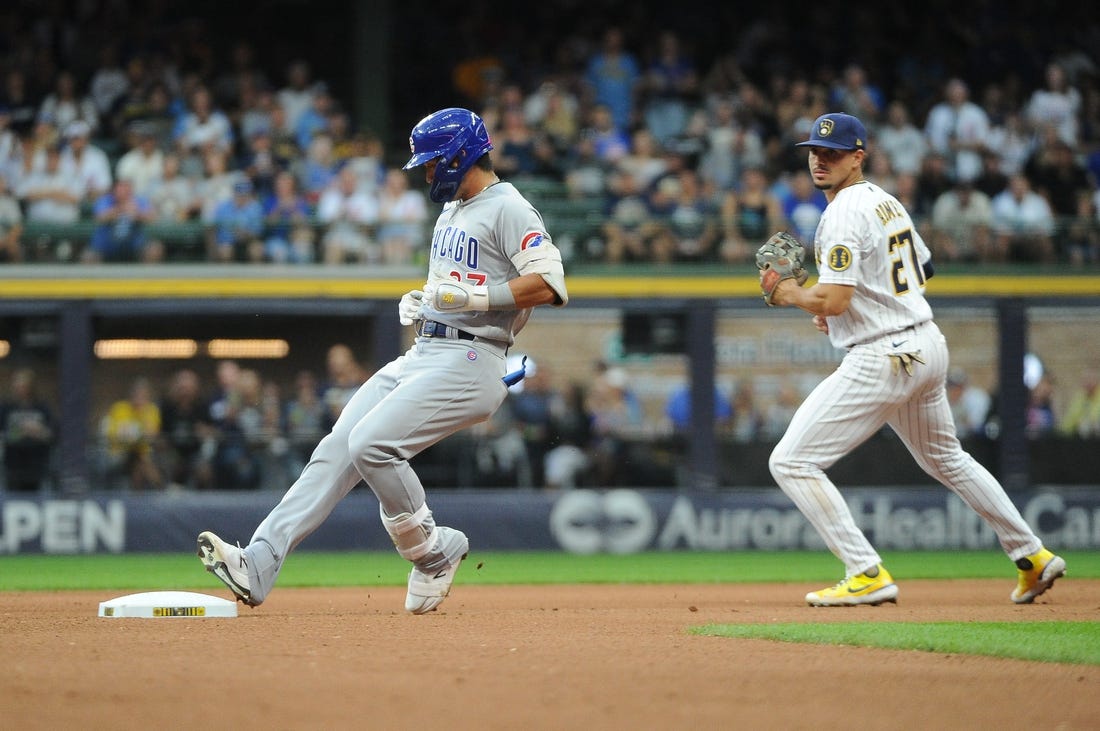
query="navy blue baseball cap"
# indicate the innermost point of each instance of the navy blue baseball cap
(838, 131)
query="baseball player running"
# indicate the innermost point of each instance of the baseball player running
(869, 300)
(491, 262)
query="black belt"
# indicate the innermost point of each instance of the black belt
(433, 329)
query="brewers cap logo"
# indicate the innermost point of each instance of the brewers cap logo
(412, 147)
(825, 128)
(840, 258)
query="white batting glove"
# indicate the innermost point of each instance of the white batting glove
(454, 296)
(408, 310)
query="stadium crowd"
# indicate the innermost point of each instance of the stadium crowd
(640, 143)
(683, 152)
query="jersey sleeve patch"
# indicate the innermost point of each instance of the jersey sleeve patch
(839, 258)
(531, 240)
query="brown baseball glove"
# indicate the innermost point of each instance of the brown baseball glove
(779, 258)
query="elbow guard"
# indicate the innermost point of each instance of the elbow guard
(544, 259)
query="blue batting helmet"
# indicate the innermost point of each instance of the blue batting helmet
(458, 138)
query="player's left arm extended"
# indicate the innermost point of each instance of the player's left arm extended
(825, 300)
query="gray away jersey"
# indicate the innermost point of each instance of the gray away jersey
(475, 241)
(867, 240)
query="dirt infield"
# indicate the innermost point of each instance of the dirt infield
(549, 657)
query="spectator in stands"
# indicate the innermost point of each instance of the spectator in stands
(402, 216)
(284, 146)
(238, 226)
(288, 230)
(184, 431)
(86, 162)
(109, 83)
(961, 225)
(779, 412)
(317, 170)
(295, 96)
(27, 433)
(802, 208)
(19, 100)
(215, 184)
(203, 127)
(750, 214)
(338, 127)
(627, 228)
(612, 76)
(175, 197)
(587, 176)
(1011, 143)
(11, 225)
(1023, 224)
(957, 128)
(970, 404)
(688, 225)
(900, 140)
(131, 430)
(881, 173)
(343, 377)
(1082, 411)
(567, 464)
(993, 178)
(555, 111)
(1041, 418)
(236, 462)
(1056, 106)
(120, 235)
(260, 163)
(64, 105)
(857, 96)
(51, 195)
(242, 77)
(306, 420)
(515, 146)
(731, 148)
(1055, 174)
(669, 88)
(644, 161)
(350, 219)
(933, 180)
(315, 117)
(678, 410)
(747, 422)
(257, 114)
(367, 159)
(534, 404)
(617, 417)
(610, 142)
(1082, 239)
(142, 165)
(10, 146)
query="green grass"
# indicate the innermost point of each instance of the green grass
(1063, 642)
(307, 568)
(1066, 642)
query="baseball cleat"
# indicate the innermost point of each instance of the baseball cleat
(228, 563)
(862, 588)
(1037, 574)
(430, 584)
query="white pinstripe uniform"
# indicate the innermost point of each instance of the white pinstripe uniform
(867, 240)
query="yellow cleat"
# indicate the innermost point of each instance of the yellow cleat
(1037, 574)
(873, 587)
